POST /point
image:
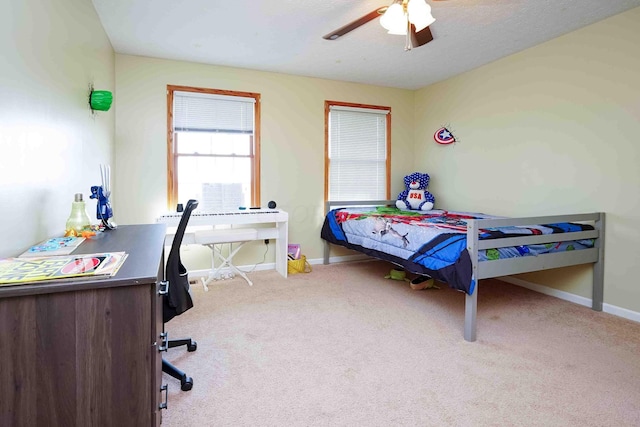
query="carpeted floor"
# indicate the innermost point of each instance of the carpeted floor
(342, 346)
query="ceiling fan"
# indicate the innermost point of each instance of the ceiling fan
(405, 17)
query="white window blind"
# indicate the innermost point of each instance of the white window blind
(357, 153)
(201, 112)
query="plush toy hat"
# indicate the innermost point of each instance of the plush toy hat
(416, 196)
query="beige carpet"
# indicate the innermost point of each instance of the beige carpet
(342, 346)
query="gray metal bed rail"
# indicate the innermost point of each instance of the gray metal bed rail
(508, 266)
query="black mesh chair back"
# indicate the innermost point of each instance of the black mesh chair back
(178, 299)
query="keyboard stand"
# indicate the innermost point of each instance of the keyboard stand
(214, 238)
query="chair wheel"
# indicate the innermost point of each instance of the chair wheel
(192, 346)
(186, 384)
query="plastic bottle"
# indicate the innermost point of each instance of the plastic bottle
(78, 220)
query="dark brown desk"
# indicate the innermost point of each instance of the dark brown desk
(85, 353)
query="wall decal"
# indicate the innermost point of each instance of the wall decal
(444, 136)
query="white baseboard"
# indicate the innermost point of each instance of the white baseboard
(567, 296)
(339, 259)
(194, 275)
(621, 312)
(607, 308)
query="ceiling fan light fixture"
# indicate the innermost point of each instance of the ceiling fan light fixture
(410, 18)
(398, 31)
(419, 13)
(394, 19)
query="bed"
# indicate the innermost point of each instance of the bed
(461, 248)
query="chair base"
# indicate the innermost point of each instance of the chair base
(191, 344)
(186, 383)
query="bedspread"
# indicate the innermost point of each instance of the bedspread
(434, 243)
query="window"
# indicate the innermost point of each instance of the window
(357, 151)
(213, 148)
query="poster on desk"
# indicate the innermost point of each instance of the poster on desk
(36, 269)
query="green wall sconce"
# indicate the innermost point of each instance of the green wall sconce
(100, 100)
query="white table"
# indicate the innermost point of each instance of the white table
(278, 231)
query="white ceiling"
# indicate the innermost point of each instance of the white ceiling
(286, 35)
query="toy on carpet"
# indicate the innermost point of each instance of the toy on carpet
(397, 275)
(423, 282)
(416, 196)
(419, 283)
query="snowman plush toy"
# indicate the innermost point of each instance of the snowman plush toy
(415, 196)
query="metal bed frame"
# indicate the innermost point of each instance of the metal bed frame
(508, 266)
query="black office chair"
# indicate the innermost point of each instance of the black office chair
(178, 298)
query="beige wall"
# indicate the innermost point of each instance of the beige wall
(551, 130)
(292, 125)
(51, 146)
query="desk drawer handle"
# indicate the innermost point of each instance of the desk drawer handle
(164, 287)
(165, 388)
(164, 340)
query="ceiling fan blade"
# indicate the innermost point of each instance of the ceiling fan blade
(420, 38)
(355, 24)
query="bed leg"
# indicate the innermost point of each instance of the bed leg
(471, 301)
(326, 253)
(470, 314)
(598, 287)
(597, 296)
